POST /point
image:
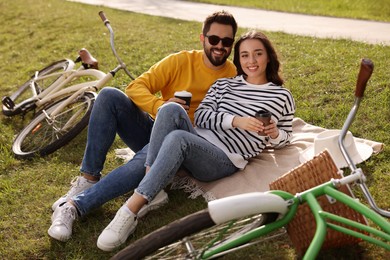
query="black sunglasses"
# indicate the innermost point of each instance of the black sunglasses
(214, 40)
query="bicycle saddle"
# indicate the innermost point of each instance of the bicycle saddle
(87, 59)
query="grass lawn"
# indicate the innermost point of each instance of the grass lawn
(378, 10)
(321, 74)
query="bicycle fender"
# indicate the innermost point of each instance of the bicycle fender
(237, 206)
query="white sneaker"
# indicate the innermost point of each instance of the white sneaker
(119, 229)
(160, 199)
(62, 222)
(78, 184)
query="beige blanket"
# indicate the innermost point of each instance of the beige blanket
(261, 170)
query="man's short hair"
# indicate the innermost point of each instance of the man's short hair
(221, 17)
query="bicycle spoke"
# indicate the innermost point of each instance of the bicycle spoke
(193, 246)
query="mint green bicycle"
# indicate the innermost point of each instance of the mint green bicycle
(235, 222)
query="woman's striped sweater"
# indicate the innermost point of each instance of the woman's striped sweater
(229, 97)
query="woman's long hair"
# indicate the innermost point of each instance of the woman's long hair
(272, 71)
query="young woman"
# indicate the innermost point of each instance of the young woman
(225, 136)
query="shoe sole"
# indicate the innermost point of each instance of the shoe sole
(109, 248)
(59, 238)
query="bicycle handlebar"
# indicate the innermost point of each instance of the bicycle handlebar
(103, 17)
(366, 69)
(122, 65)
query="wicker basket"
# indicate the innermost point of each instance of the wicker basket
(302, 227)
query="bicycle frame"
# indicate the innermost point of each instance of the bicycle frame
(322, 217)
(74, 90)
(59, 88)
(56, 90)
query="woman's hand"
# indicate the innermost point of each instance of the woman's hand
(271, 130)
(252, 124)
(247, 123)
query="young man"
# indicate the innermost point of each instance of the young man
(132, 117)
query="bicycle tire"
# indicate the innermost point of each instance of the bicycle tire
(43, 136)
(24, 92)
(195, 228)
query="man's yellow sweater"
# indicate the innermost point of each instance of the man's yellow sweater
(184, 70)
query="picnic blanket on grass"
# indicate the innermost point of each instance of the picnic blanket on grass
(259, 172)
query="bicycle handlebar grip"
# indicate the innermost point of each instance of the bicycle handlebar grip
(103, 17)
(366, 69)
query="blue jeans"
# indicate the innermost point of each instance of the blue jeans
(118, 182)
(113, 113)
(174, 143)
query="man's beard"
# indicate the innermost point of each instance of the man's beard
(219, 60)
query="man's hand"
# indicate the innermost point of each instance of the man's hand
(179, 101)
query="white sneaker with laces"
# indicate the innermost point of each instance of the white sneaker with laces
(119, 229)
(78, 184)
(160, 199)
(62, 222)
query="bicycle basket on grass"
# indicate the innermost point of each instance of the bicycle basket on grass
(302, 227)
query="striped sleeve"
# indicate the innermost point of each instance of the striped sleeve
(208, 116)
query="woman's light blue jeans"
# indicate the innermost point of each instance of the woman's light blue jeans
(113, 113)
(174, 143)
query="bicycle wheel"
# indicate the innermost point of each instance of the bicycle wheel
(191, 236)
(11, 103)
(44, 135)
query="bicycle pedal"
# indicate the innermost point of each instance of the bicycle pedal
(8, 102)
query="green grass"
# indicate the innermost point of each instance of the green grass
(378, 10)
(320, 73)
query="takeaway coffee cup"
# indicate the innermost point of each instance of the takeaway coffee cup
(265, 117)
(184, 95)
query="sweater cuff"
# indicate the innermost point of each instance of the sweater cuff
(157, 106)
(277, 139)
(227, 122)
